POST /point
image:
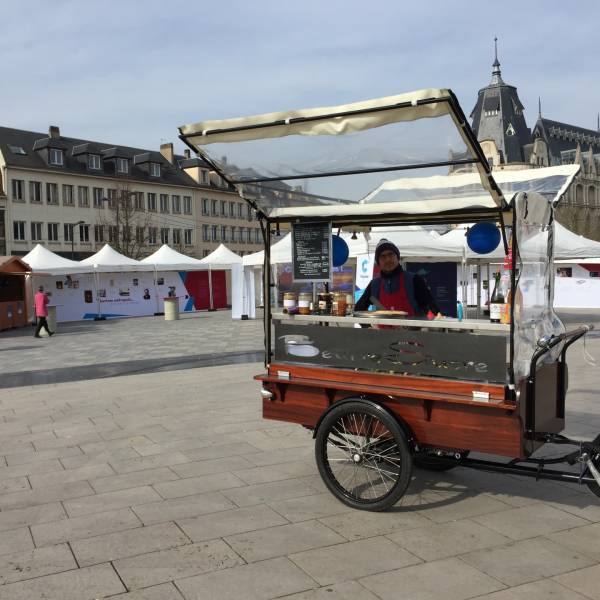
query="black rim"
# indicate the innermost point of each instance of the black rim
(362, 457)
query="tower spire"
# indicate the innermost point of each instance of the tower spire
(496, 74)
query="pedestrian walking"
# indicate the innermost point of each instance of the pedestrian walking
(41, 300)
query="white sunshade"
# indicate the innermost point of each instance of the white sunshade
(222, 257)
(108, 260)
(42, 260)
(367, 143)
(168, 259)
(417, 195)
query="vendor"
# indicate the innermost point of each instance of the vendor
(397, 289)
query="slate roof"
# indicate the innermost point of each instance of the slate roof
(498, 116)
(563, 136)
(34, 144)
(504, 99)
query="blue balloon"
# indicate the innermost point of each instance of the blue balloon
(483, 237)
(339, 250)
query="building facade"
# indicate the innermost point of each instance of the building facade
(498, 120)
(75, 195)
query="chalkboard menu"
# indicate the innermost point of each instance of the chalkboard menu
(311, 251)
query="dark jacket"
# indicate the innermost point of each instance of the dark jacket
(420, 293)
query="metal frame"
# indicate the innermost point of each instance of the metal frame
(513, 467)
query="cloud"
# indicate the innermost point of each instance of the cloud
(131, 72)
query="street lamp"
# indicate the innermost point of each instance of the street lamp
(73, 238)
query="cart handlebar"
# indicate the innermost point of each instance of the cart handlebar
(546, 343)
(549, 341)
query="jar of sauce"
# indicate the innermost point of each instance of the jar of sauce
(289, 302)
(338, 307)
(304, 302)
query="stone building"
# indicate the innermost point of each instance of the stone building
(499, 122)
(75, 195)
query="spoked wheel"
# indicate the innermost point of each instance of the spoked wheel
(594, 487)
(363, 456)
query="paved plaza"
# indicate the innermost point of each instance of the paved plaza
(169, 485)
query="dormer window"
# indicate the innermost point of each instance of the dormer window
(17, 150)
(122, 165)
(94, 162)
(55, 157)
(155, 169)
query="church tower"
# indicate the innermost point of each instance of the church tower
(498, 120)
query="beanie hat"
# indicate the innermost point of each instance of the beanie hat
(384, 245)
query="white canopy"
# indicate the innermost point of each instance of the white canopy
(416, 242)
(45, 261)
(108, 260)
(168, 259)
(567, 245)
(281, 251)
(221, 258)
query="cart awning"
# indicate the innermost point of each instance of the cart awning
(323, 162)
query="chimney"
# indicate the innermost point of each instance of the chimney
(187, 153)
(167, 151)
(53, 131)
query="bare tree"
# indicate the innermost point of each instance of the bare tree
(127, 221)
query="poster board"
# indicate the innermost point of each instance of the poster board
(311, 252)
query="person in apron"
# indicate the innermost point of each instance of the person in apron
(395, 288)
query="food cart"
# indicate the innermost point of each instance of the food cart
(381, 393)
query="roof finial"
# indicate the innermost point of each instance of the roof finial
(496, 75)
(598, 124)
(539, 107)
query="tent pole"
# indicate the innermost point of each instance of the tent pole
(98, 316)
(478, 312)
(488, 294)
(157, 313)
(210, 290)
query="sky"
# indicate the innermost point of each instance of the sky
(130, 72)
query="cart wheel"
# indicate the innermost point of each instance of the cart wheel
(594, 487)
(363, 457)
(431, 463)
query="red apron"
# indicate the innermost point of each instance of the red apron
(397, 300)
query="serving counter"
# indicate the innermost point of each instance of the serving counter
(475, 350)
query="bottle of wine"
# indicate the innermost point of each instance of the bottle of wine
(496, 301)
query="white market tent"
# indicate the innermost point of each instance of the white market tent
(281, 251)
(242, 284)
(108, 260)
(222, 258)
(45, 261)
(168, 259)
(570, 246)
(567, 245)
(416, 242)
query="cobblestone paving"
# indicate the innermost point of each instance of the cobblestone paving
(170, 486)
